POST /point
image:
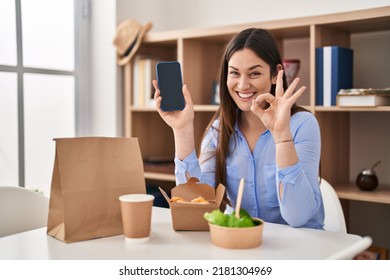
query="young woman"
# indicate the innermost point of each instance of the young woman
(258, 133)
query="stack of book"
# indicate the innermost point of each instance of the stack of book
(144, 72)
(363, 97)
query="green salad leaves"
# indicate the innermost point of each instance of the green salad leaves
(216, 217)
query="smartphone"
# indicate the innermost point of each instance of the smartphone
(170, 83)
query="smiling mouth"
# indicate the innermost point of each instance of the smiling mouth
(246, 95)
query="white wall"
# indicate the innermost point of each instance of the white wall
(105, 109)
(175, 14)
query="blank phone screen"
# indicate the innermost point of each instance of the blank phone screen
(170, 85)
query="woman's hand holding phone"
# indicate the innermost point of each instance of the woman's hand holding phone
(181, 122)
(176, 119)
(174, 101)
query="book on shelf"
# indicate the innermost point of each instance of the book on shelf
(363, 97)
(144, 72)
(334, 71)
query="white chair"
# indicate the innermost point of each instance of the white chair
(334, 215)
(335, 221)
(352, 251)
(21, 209)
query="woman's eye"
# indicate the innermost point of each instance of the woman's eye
(255, 74)
(234, 73)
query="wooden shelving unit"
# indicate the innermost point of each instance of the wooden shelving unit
(159, 176)
(352, 192)
(199, 51)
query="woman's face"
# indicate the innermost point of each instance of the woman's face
(248, 76)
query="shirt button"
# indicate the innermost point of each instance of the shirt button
(281, 176)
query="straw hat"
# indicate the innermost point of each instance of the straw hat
(128, 38)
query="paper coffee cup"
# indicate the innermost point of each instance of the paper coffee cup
(136, 212)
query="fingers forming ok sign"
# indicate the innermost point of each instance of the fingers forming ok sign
(276, 116)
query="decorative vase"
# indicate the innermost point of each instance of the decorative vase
(291, 69)
(367, 179)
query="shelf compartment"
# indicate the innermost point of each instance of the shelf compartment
(162, 50)
(200, 63)
(335, 139)
(154, 135)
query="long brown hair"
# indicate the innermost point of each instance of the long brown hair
(263, 44)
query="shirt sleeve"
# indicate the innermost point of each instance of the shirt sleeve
(202, 168)
(301, 198)
(189, 165)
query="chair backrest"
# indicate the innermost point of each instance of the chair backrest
(21, 209)
(352, 251)
(334, 215)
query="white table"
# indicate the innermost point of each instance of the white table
(279, 242)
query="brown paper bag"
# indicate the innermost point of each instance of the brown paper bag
(89, 175)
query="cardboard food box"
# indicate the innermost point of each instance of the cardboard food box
(189, 215)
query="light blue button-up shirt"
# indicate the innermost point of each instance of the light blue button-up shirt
(301, 204)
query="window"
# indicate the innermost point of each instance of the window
(39, 85)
